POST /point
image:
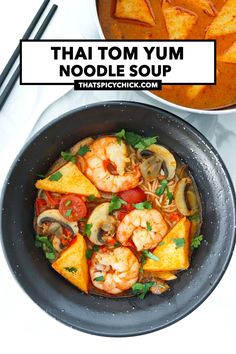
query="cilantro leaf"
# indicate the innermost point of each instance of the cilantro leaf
(68, 156)
(90, 251)
(149, 228)
(143, 261)
(46, 245)
(120, 135)
(101, 278)
(40, 175)
(56, 176)
(141, 289)
(91, 198)
(83, 150)
(150, 255)
(194, 217)
(145, 142)
(71, 269)
(117, 244)
(87, 230)
(143, 205)
(116, 203)
(179, 242)
(169, 195)
(136, 140)
(196, 241)
(162, 188)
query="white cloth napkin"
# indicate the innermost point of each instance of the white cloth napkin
(72, 20)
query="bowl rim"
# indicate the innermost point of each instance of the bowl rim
(195, 131)
(156, 98)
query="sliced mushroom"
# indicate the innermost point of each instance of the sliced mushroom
(54, 216)
(102, 224)
(150, 168)
(168, 159)
(55, 229)
(180, 196)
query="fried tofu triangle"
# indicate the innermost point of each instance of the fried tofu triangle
(138, 10)
(225, 22)
(206, 5)
(229, 56)
(179, 21)
(68, 179)
(173, 251)
(72, 264)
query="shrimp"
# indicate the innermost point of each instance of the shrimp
(105, 152)
(115, 270)
(145, 227)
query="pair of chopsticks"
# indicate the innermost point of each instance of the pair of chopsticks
(16, 52)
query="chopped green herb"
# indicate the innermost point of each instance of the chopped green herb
(136, 140)
(120, 135)
(40, 175)
(196, 242)
(101, 278)
(117, 244)
(83, 150)
(68, 213)
(82, 220)
(194, 217)
(116, 203)
(143, 261)
(71, 269)
(179, 242)
(56, 176)
(44, 243)
(141, 290)
(149, 228)
(150, 255)
(68, 156)
(169, 195)
(91, 198)
(90, 251)
(161, 243)
(143, 205)
(162, 187)
(145, 142)
(87, 230)
(68, 202)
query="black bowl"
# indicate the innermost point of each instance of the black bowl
(105, 316)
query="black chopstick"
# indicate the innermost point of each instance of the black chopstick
(16, 73)
(27, 34)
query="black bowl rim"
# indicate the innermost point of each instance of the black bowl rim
(196, 132)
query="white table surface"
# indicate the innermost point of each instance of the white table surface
(24, 327)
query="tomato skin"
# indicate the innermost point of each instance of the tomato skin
(133, 196)
(40, 204)
(175, 217)
(74, 205)
(121, 214)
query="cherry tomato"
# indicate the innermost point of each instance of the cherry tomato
(174, 217)
(133, 196)
(40, 205)
(72, 207)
